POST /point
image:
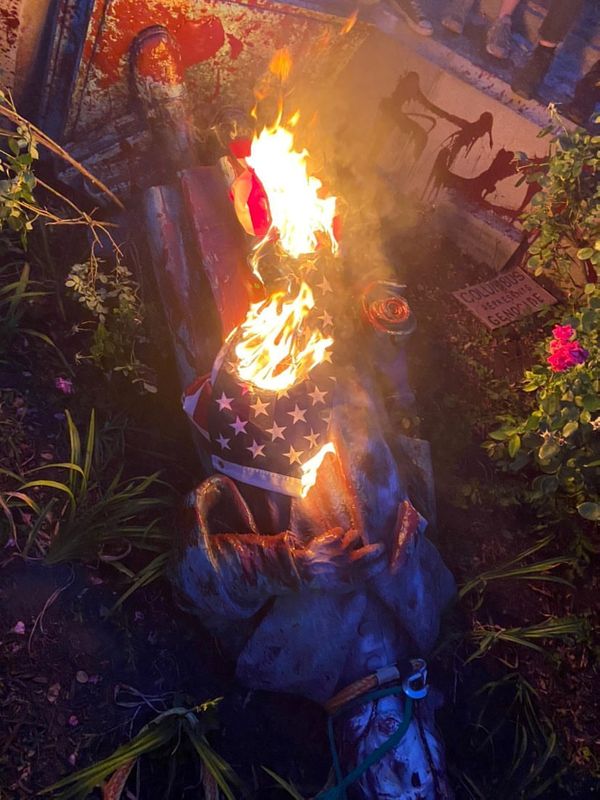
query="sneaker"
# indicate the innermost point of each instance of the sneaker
(585, 98)
(455, 17)
(528, 79)
(414, 16)
(499, 38)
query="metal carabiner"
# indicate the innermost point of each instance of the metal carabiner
(415, 685)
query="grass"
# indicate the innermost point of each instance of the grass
(162, 736)
(77, 512)
(513, 569)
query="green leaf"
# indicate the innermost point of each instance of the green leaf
(590, 511)
(514, 445)
(585, 253)
(284, 784)
(591, 402)
(570, 428)
(547, 450)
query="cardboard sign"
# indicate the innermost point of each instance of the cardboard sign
(510, 296)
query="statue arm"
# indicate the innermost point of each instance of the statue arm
(232, 575)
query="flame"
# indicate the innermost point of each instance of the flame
(281, 64)
(311, 467)
(350, 22)
(298, 211)
(276, 347)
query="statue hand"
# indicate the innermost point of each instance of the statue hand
(337, 560)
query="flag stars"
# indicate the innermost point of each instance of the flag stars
(312, 438)
(325, 286)
(259, 407)
(276, 431)
(327, 318)
(223, 442)
(256, 449)
(239, 426)
(293, 456)
(317, 396)
(224, 402)
(297, 414)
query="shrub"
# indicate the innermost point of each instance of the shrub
(560, 439)
(565, 212)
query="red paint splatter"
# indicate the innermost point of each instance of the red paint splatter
(235, 46)
(10, 24)
(158, 62)
(198, 39)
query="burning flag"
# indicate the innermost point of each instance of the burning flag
(266, 408)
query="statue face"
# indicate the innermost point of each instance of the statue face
(403, 772)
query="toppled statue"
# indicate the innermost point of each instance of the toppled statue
(304, 552)
(332, 594)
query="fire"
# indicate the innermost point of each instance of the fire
(277, 347)
(350, 22)
(281, 64)
(311, 467)
(298, 211)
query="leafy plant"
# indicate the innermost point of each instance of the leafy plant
(565, 213)
(17, 181)
(532, 762)
(16, 289)
(287, 787)
(515, 570)
(112, 297)
(558, 444)
(487, 636)
(78, 513)
(169, 728)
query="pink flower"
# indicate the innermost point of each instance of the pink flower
(566, 355)
(73, 721)
(64, 385)
(19, 628)
(562, 332)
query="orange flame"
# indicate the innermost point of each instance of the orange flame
(298, 211)
(310, 468)
(277, 348)
(281, 64)
(350, 22)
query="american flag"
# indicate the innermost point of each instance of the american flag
(260, 437)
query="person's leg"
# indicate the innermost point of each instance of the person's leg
(456, 15)
(586, 96)
(507, 8)
(499, 35)
(557, 23)
(414, 16)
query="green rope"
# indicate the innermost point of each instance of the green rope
(338, 792)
